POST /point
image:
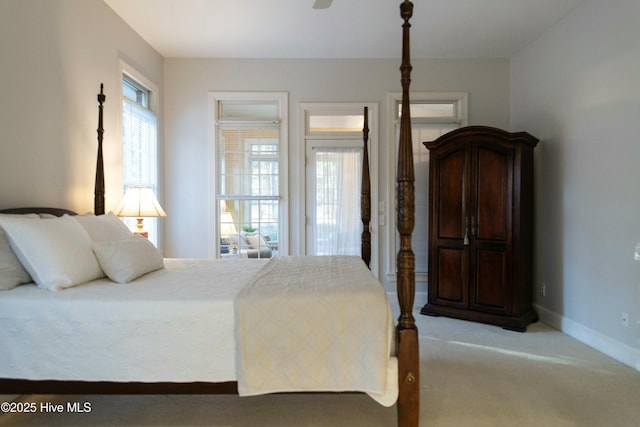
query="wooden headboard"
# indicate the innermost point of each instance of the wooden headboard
(39, 210)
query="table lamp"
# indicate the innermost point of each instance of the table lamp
(139, 203)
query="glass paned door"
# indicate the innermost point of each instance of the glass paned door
(333, 197)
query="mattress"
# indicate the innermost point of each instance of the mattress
(174, 325)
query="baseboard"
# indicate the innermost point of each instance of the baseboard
(619, 351)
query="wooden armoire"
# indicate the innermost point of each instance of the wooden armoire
(481, 226)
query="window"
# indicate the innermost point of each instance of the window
(250, 186)
(139, 141)
(432, 115)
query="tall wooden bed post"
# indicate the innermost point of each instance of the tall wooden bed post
(406, 331)
(365, 195)
(98, 195)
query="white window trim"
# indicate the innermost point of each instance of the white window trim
(154, 104)
(327, 108)
(393, 98)
(283, 102)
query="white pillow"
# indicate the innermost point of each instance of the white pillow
(104, 227)
(240, 240)
(128, 259)
(12, 273)
(256, 241)
(56, 252)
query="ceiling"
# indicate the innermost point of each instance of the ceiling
(348, 29)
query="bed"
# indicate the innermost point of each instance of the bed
(106, 337)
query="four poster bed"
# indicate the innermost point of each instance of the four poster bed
(106, 338)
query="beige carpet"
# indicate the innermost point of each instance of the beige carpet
(472, 375)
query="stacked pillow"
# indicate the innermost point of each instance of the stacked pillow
(12, 273)
(68, 251)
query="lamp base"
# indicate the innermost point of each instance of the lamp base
(140, 228)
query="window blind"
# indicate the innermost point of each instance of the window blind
(247, 161)
(248, 176)
(139, 145)
(140, 155)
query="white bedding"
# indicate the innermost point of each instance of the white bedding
(177, 325)
(173, 325)
(319, 323)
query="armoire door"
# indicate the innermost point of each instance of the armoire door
(491, 225)
(449, 263)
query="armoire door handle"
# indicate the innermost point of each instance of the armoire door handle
(466, 231)
(473, 226)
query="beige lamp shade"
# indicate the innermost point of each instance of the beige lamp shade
(140, 202)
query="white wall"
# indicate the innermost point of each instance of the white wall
(578, 89)
(55, 54)
(187, 82)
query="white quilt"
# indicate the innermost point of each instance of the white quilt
(315, 324)
(175, 324)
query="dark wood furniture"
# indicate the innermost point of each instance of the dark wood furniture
(407, 347)
(481, 226)
(38, 210)
(365, 194)
(98, 195)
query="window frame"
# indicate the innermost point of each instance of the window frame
(134, 77)
(282, 100)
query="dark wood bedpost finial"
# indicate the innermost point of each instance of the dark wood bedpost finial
(407, 333)
(98, 200)
(365, 194)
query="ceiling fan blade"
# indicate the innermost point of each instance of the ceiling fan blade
(322, 4)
